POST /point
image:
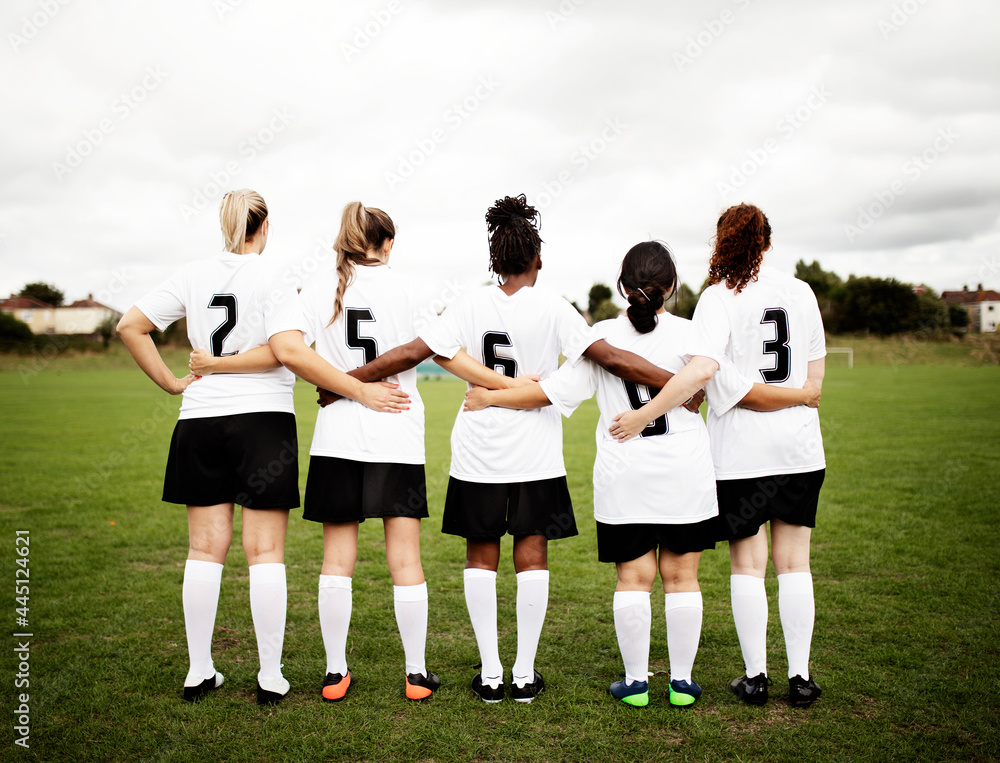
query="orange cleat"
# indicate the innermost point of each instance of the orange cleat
(421, 687)
(335, 686)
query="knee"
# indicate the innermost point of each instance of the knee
(209, 549)
(262, 550)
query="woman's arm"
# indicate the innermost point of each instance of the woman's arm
(693, 377)
(472, 371)
(520, 398)
(635, 368)
(303, 361)
(253, 361)
(770, 397)
(134, 328)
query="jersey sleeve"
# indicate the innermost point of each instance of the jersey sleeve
(165, 304)
(444, 334)
(570, 385)
(727, 387)
(817, 336)
(711, 328)
(574, 333)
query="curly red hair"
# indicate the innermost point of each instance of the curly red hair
(741, 236)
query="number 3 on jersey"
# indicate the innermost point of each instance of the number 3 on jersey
(354, 316)
(499, 363)
(658, 425)
(778, 346)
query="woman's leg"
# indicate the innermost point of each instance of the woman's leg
(683, 607)
(796, 603)
(481, 561)
(531, 565)
(402, 553)
(748, 557)
(210, 533)
(340, 553)
(264, 544)
(633, 615)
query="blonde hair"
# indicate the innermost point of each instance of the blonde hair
(242, 214)
(361, 230)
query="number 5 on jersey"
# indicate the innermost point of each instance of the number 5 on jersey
(354, 317)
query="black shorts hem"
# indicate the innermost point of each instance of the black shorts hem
(747, 504)
(486, 511)
(625, 543)
(342, 490)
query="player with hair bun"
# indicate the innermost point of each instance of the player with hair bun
(654, 499)
(234, 428)
(770, 467)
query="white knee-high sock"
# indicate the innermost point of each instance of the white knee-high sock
(411, 618)
(268, 605)
(335, 604)
(683, 614)
(797, 608)
(532, 601)
(633, 617)
(481, 599)
(750, 615)
(200, 595)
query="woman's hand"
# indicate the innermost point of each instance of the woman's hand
(384, 397)
(476, 399)
(179, 385)
(814, 392)
(627, 425)
(522, 381)
(202, 363)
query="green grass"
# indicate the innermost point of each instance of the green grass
(905, 563)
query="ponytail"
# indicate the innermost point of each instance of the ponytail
(361, 231)
(648, 274)
(242, 214)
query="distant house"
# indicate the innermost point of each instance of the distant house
(983, 306)
(82, 317)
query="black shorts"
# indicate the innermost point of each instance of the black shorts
(744, 505)
(341, 490)
(624, 543)
(251, 459)
(486, 511)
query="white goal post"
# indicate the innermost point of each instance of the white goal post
(848, 351)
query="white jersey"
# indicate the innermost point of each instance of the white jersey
(517, 335)
(233, 303)
(770, 331)
(377, 316)
(665, 475)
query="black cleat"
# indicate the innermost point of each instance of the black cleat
(802, 693)
(266, 697)
(753, 691)
(529, 691)
(486, 693)
(195, 693)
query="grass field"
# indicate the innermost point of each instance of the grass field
(905, 562)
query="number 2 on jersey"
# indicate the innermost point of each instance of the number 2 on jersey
(354, 316)
(228, 302)
(658, 425)
(778, 346)
(499, 363)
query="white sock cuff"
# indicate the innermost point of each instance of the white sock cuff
(471, 573)
(410, 592)
(529, 575)
(267, 573)
(679, 600)
(334, 581)
(795, 583)
(204, 572)
(746, 585)
(630, 599)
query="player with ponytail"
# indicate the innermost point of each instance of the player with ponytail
(235, 427)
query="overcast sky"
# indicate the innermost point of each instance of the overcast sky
(869, 132)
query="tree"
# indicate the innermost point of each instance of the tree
(605, 311)
(43, 292)
(880, 305)
(823, 283)
(683, 303)
(13, 331)
(958, 316)
(599, 293)
(107, 329)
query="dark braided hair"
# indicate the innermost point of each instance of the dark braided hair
(512, 226)
(648, 274)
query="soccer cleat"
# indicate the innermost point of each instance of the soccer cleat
(753, 691)
(195, 693)
(335, 686)
(485, 692)
(802, 693)
(421, 687)
(267, 697)
(529, 691)
(635, 694)
(683, 693)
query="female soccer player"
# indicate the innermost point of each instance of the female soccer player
(769, 467)
(235, 440)
(654, 498)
